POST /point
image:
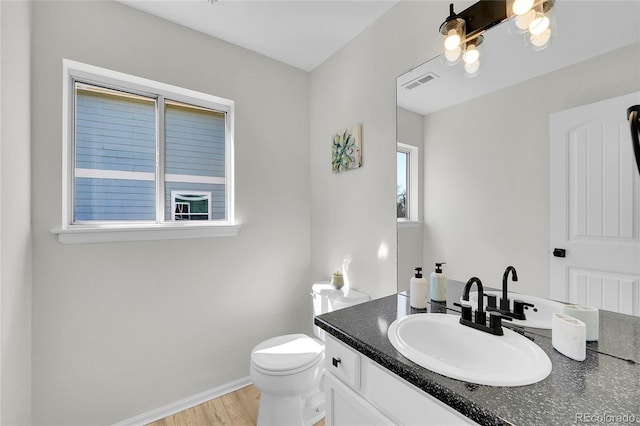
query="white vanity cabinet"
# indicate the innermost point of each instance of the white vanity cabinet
(360, 392)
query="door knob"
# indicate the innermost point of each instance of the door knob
(559, 252)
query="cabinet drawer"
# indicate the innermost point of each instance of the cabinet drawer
(343, 362)
(405, 404)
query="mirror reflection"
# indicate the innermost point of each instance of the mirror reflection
(531, 154)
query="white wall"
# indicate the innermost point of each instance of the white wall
(123, 328)
(353, 213)
(487, 182)
(15, 229)
(410, 131)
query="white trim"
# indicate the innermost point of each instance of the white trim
(82, 234)
(230, 169)
(117, 79)
(412, 179)
(160, 157)
(195, 179)
(184, 404)
(114, 174)
(67, 144)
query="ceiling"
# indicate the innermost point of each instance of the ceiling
(301, 33)
(582, 29)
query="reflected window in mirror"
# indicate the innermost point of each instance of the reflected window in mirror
(401, 186)
(407, 183)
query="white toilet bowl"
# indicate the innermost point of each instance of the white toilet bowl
(288, 370)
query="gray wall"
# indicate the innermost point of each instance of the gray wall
(353, 214)
(487, 189)
(15, 204)
(123, 328)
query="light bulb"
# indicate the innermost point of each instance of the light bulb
(540, 40)
(453, 40)
(453, 55)
(472, 68)
(523, 21)
(520, 7)
(471, 55)
(539, 25)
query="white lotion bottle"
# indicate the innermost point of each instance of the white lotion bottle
(438, 284)
(418, 290)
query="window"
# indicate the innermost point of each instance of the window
(190, 205)
(143, 153)
(402, 185)
(407, 183)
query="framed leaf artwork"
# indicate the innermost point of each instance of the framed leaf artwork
(346, 149)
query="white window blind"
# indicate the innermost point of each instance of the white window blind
(115, 156)
(195, 155)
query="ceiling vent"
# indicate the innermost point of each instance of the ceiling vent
(420, 81)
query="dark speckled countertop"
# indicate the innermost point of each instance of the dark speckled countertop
(603, 389)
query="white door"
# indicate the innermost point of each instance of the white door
(595, 207)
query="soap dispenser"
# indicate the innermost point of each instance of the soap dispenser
(438, 284)
(418, 290)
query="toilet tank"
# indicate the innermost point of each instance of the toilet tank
(327, 298)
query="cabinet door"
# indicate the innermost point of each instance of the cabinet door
(344, 407)
(403, 403)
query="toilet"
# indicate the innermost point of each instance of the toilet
(288, 370)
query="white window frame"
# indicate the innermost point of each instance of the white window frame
(412, 184)
(73, 233)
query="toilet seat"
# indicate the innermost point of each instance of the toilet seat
(288, 354)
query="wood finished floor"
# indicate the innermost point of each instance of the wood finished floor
(237, 408)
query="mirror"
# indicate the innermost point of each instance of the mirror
(483, 189)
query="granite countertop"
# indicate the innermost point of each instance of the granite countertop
(603, 389)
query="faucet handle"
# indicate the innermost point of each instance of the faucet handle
(518, 309)
(495, 322)
(466, 311)
(491, 300)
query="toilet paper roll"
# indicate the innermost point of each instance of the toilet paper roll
(568, 336)
(589, 316)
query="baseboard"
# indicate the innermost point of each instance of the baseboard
(183, 404)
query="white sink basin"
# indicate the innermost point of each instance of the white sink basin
(440, 343)
(537, 317)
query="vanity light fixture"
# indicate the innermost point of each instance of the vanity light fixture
(462, 32)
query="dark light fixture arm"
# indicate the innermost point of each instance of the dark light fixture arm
(483, 15)
(633, 114)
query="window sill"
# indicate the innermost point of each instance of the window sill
(80, 234)
(408, 224)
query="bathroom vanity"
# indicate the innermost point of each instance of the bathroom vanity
(369, 382)
(361, 392)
